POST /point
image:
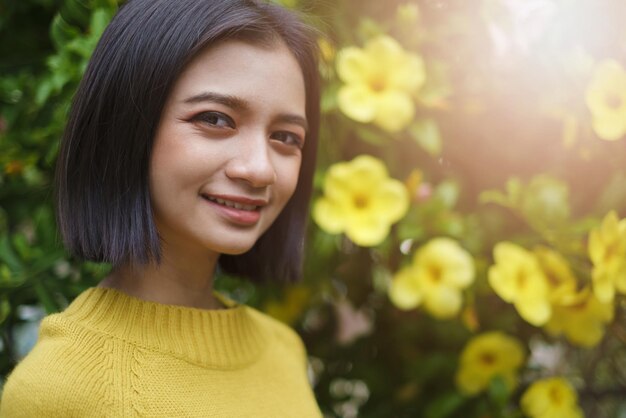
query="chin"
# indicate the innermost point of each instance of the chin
(235, 249)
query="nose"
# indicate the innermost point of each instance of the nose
(252, 162)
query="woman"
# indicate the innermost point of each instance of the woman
(190, 144)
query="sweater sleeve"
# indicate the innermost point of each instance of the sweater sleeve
(55, 380)
(297, 345)
(27, 394)
(291, 340)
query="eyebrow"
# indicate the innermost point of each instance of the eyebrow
(239, 104)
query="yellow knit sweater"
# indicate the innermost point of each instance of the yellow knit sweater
(112, 355)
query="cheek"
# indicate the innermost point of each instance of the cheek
(171, 183)
(288, 179)
(162, 179)
(176, 164)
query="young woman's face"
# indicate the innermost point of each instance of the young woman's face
(227, 152)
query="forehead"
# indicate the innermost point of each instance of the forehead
(264, 74)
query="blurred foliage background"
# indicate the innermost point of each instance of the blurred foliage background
(467, 249)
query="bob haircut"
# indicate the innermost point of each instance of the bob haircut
(102, 194)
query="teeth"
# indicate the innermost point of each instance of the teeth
(230, 204)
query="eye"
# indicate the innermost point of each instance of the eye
(214, 119)
(288, 138)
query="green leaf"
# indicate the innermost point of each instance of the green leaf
(411, 230)
(43, 92)
(75, 12)
(448, 193)
(62, 32)
(21, 246)
(97, 269)
(8, 256)
(99, 21)
(494, 196)
(381, 278)
(46, 261)
(498, 392)
(33, 176)
(369, 28)
(59, 79)
(5, 309)
(426, 133)
(45, 226)
(325, 244)
(3, 221)
(45, 297)
(8, 278)
(445, 405)
(368, 135)
(545, 202)
(437, 87)
(81, 46)
(329, 99)
(511, 199)
(514, 189)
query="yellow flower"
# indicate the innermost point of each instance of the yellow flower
(607, 250)
(582, 319)
(405, 291)
(518, 279)
(550, 398)
(560, 279)
(291, 307)
(380, 80)
(441, 269)
(606, 99)
(14, 167)
(361, 200)
(486, 356)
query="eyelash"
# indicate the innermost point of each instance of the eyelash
(209, 118)
(296, 140)
(206, 117)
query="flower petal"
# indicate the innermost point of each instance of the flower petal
(368, 171)
(610, 127)
(394, 110)
(330, 217)
(603, 287)
(353, 65)
(351, 191)
(357, 102)
(386, 50)
(607, 79)
(409, 75)
(443, 302)
(404, 291)
(391, 200)
(498, 280)
(367, 229)
(535, 311)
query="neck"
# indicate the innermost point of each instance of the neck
(179, 279)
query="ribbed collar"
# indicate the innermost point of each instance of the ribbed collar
(222, 339)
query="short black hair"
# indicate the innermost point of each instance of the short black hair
(102, 196)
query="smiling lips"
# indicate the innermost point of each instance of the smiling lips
(238, 209)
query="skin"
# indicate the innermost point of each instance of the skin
(233, 126)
